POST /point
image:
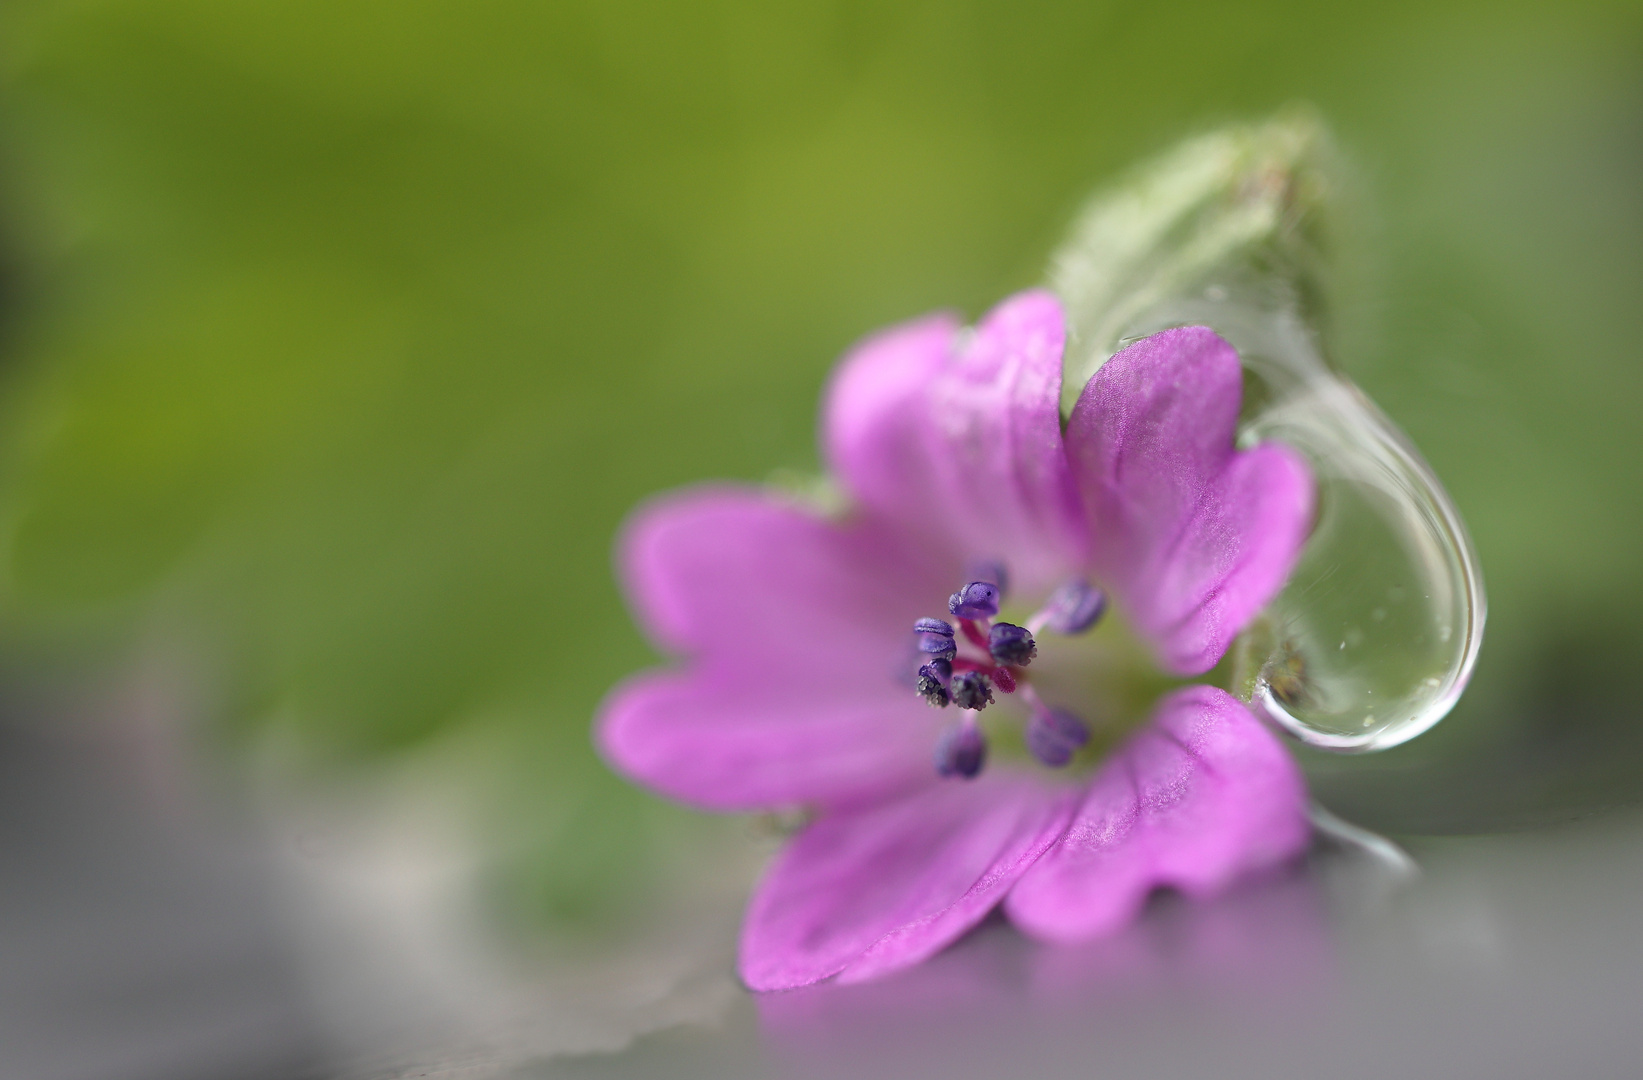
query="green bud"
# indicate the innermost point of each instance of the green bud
(1247, 212)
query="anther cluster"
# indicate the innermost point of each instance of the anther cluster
(962, 665)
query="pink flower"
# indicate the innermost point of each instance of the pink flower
(950, 445)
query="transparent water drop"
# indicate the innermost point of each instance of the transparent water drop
(1374, 637)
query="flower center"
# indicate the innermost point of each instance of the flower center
(965, 663)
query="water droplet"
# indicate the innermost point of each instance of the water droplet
(1230, 211)
(1383, 517)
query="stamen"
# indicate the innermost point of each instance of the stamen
(962, 750)
(996, 656)
(1011, 644)
(932, 682)
(971, 690)
(1071, 609)
(977, 600)
(935, 638)
(1054, 735)
(973, 633)
(993, 571)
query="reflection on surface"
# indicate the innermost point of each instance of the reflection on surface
(1263, 947)
(1509, 957)
(136, 949)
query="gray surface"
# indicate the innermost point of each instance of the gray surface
(139, 942)
(136, 939)
(1515, 956)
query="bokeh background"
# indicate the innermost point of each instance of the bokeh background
(336, 340)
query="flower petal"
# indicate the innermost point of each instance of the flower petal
(740, 576)
(740, 742)
(957, 440)
(1194, 536)
(795, 626)
(865, 893)
(1200, 796)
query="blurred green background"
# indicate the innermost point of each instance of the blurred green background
(339, 337)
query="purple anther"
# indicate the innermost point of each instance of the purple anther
(962, 751)
(935, 638)
(1011, 644)
(932, 682)
(977, 600)
(991, 570)
(938, 669)
(1054, 735)
(1073, 608)
(971, 690)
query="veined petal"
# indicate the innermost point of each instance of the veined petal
(737, 741)
(742, 578)
(793, 625)
(1193, 535)
(1197, 798)
(864, 893)
(1231, 558)
(956, 439)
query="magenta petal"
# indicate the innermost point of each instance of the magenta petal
(740, 742)
(746, 580)
(794, 626)
(1200, 796)
(958, 441)
(1232, 557)
(865, 893)
(1194, 536)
